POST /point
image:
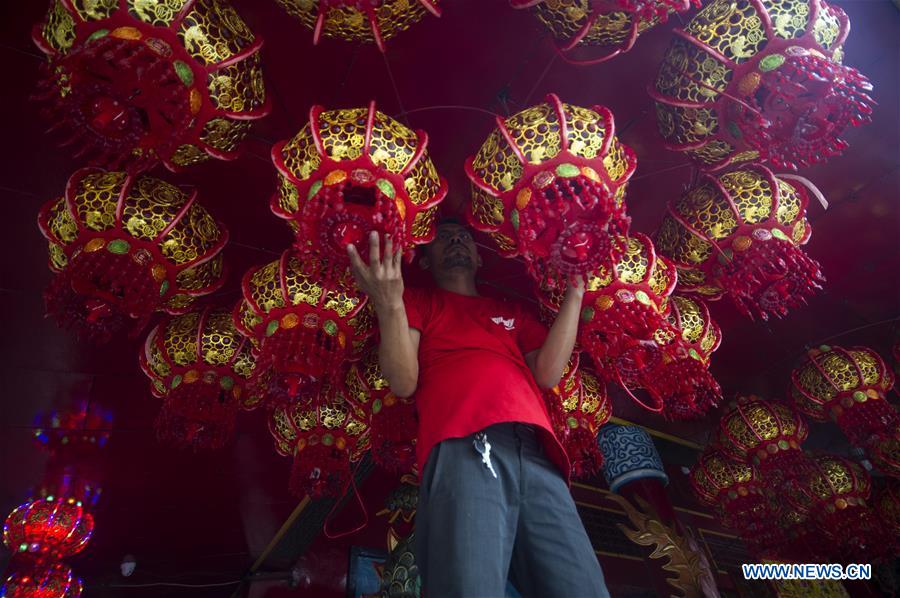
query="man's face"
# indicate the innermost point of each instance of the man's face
(453, 248)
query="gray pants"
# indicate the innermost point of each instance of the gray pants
(475, 530)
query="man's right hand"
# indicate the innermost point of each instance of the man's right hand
(382, 279)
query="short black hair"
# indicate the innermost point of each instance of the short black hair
(450, 220)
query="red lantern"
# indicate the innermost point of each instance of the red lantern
(682, 381)
(549, 184)
(848, 386)
(739, 234)
(766, 434)
(834, 492)
(608, 27)
(123, 247)
(578, 407)
(887, 505)
(137, 83)
(623, 307)
(48, 528)
(884, 451)
(324, 435)
(392, 420)
(306, 319)
(348, 172)
(200, 366)
(760, 80)
(359, 20)
(30, 579)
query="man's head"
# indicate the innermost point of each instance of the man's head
(452, 252)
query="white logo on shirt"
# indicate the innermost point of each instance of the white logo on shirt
(509, 324)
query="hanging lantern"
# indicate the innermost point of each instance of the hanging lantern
(123, 247)
(834, 492)
(392, 420)
(766, 434)
(324, 435)
(682, 381)
(736, 490)
(883, 449)
(200, 366)
(549, 184)
(623, 307)
(82, 427)
(848, 386)
(359, 20)
(607, 27)
(31, 579)
(739, 234)
(752, 80)
(304, 325)
(887, 506)
(48, 528)
(138, 83)
(348, 172)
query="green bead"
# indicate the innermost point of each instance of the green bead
(176, 381)
(98, 34)
(783, 445)
(386, 187)
(226, 382)
(642, 297)
(572, 422)
(184, 73)
(272, 328)
(771, 62)
(587, 314)
(514, 219)
(567, 171)
(163, 288)
(693, 353)
(376, 406)
(734, 130)
(118, 246)
(330, 327)
(860, 396)
(776, 232)
(313, 189)
(327, 439)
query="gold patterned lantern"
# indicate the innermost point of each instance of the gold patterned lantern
(124, 246)
(767, 434)
(304, 325)
(324, 435)
(200, 366)
(749, 80)
(578, 407)
(739, 234)
(623, 307)
(348, 172)
(392, 420)
(887, 505)
(847, 386)
(359, 20)
(549, 184)
(607, 28)
(883, 449)
(834, 492)
(138, 82)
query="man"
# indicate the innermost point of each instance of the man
(493, 500)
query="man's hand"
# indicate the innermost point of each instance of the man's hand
(575, 288)
(382, 279)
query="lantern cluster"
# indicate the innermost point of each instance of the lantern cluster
(201, 367)
(124, 247)
(594, 31)
(141, 83)
(359, 21)
(739, 234)
(848, 386)
(760, 80)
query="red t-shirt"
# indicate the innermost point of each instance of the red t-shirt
(472, 369)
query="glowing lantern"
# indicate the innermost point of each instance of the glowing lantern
(549, 184)
(31, 579)
(324, 435)
(304, 325)
(682, 381)
(392, 420)
(607, 27)
(834, 492)
(749, 80)
(623, 307)
(137, 83)
(123, 247)
(200, 366)
(766, 434)
(48, 528)
(578, 407)
(848, 386)
(739, 234)
(359, 20)
(348, 172)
